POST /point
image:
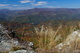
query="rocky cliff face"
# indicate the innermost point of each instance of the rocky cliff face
(9, 45)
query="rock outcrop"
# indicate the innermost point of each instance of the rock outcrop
(9, 44)
(22, 51)
(71, 43)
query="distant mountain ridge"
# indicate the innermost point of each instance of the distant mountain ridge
(38, 15)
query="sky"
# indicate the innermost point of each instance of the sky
(29, 4)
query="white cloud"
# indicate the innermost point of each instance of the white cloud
(41, 3)
(52, 6)
(4, 5)
(17, 8)
(15, 5)
(49, 6)
(23, 8)
(25, 1)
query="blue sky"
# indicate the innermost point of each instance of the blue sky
(28, 4)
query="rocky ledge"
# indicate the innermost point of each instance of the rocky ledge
(12, 45)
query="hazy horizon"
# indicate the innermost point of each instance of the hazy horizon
(29, 4)
(37, 8)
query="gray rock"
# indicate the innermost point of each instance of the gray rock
(7, 43)
(74, 36)
(19, 51)
(22, 51)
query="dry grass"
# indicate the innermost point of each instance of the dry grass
(48, 38)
